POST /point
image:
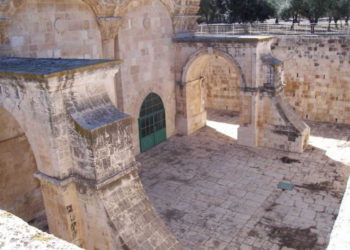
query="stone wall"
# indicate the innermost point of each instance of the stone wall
(20, 192)
(147, 52)
(49, 28)
(222, 85)
(317, 76)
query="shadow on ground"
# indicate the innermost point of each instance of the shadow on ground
(215, 194)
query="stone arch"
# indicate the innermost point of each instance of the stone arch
(9, 7)
(21, 192)
(143, 95)
(111, 8)
(131, 5)
(200, 58)
(57, 29)
(196, 92)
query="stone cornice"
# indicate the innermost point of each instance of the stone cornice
(44, 77)
(191, 38)
(79, 179)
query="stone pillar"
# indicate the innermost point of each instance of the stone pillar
(191, 114)
(109, 26)
(61, 208)
(247, 132)
(4, 40)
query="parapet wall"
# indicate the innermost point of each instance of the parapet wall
(317, 75)
(341, 230)
(17, 234)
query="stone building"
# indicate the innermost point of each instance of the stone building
(85, 85)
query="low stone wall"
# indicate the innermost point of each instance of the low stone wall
(341, 230)
(317, 75)
(17, 234)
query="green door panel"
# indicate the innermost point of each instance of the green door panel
(147, 142)
(152, 125)
(159, 136)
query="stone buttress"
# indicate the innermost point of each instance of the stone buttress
(82, 144)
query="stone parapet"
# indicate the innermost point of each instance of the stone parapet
(17, 234)
(339, 238)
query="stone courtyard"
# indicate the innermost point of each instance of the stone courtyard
(214, 194)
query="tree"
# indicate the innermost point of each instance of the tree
(338, 9)
(278, 7)
(292, 9)
(243, 11)
(207, 10)
(212, 11)
(314, 9)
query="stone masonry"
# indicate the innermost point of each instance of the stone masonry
(73, 77)
(266, 119)
(317, 76)
(83, 150)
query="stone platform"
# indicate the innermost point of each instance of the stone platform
(215, 194)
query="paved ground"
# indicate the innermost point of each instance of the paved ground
(215, 194)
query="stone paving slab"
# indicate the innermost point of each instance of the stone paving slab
(215, 194)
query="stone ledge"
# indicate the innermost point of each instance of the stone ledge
(192, 38)
(44, 68)
(17, 234)
(75, 178)
(341, 230)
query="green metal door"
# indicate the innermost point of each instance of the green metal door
(152, 126)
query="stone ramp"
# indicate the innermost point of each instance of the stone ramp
(135, 222)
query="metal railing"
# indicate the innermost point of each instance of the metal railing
(271, 29)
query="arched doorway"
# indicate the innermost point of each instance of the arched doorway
(152, 125)
(20, 192)
(211, 93)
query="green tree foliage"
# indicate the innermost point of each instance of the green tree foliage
(338, 9)
(240, 11)
(314, 9)
(212, 11)
(243, 11)
(293, 9)
(278, 7)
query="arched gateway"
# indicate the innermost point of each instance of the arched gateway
(265, 118)
(152, 125)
